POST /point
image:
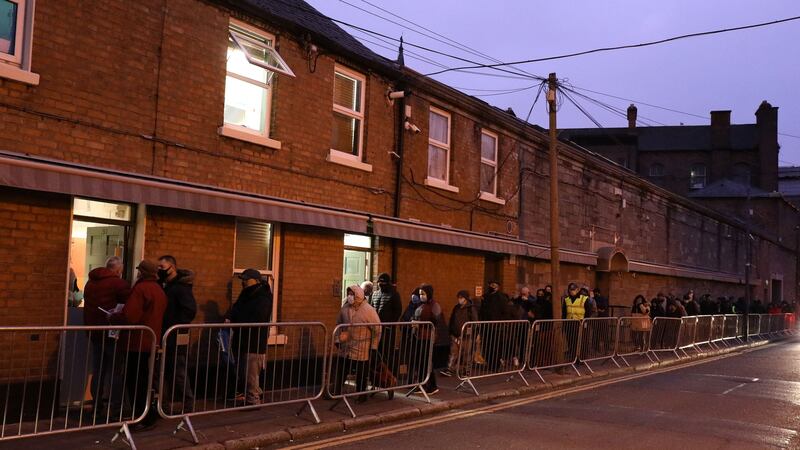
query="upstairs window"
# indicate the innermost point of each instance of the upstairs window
(657, 170)
(16, 32)
(348, 113)
(439, 145)
(252, 63)
(697, 176)
(489, 162)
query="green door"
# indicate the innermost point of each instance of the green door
(355, 268)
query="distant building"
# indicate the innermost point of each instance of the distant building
(789, 183)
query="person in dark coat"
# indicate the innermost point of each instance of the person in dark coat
(544, 306)
(495, 306)
(249, 344)
(601, 302)
(387, 303)
(690, 304)
(145, 306)
(428, 310)
(464, 311)
(104, 291)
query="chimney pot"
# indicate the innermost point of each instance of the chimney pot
(632, 113)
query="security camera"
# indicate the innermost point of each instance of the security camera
(394, 95)
(413, 128)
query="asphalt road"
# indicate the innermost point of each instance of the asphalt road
(748, 401)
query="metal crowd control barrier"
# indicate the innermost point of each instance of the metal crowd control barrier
(717, 331)
(502, 345)
(686, 338)
(665, 336)
(764, 326)
(210, 368)
(702, 334)
(71, 378)
(379, 357)
(598, 340)
(789, 323)
(753, 325)
(554, 343)
(633, 337)
(731, 327)
(776, 324)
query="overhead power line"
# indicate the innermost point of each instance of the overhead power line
(619, 47)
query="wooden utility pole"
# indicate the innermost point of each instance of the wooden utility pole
(554, 230)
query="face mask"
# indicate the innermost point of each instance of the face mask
(351, 298)
(415, 299)
(163, 274)
(462, 301)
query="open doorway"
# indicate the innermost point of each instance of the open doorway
(357, 262)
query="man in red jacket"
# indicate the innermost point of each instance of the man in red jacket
(104, 290)
(145, 306)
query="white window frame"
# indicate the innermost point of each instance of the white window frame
(437, 182)
(692, 183)
(345, 158)
(489, 162)
(238, 131)
(17, 66)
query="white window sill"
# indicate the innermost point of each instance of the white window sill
(492, 198)
(439, 184)
(11, 72)
(236, 133)
(347, 160)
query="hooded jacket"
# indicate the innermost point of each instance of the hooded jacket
(103, 290)
(462, 314)
(254, 305)
(387, 304)
(181, 305)
(356, 342)
(431, 311)
(494, 306)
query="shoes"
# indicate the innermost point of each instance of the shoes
(446, 373)
(239, 397)
(390, 394)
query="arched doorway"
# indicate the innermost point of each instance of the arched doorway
(611, 261)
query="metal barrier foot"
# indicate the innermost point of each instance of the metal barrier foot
(421, 389)
(186, 425)
(469, 383)
(128, 437)
(310, 406)
(588, 367)
(625, 361)
(523, 378)
(540, 376)
(576, 369)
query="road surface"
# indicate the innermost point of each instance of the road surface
(746, 401)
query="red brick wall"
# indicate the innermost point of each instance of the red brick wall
(34, 240)
(202, 243)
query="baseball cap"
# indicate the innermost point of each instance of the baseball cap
(250, 274)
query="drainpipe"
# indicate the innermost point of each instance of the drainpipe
(400, 143)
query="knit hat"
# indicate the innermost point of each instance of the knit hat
(384, 278)
(463, 294)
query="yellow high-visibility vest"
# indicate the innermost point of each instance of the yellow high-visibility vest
(575, 309)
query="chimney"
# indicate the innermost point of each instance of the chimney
(767, 126)
(721, 129)
(632, 112)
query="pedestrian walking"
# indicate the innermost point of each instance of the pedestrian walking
(145, 306)
(249, 344)
(464, 311)
(103, 292)
(181, 309)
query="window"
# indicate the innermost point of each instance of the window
(253, 246)
(439, 150)
(697, 176)
(348, 112)
(16, 31)
(100, 230)
(657, 170)
(489, 162)
(251, 66)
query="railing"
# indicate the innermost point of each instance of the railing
(731, 327)
(790, 323)
(488, 349)
(665, 336)
(554, 344)
(753, 325)
(211, 368)
(686, 337)
(71, 378)
(598, 340)
(717, 331)
(633, 337)
(379, 357)
(702, 334)
(765, 326)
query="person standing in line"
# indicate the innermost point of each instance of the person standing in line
(181, 309)
(355, 343)
(602, 303)
(429, 310)
(249, 344)
(464, 311)
(145, 306)
(389, 307)
(104, 291)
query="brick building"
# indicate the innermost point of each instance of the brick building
(259, 134)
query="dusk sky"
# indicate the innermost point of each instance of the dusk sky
(731, 71)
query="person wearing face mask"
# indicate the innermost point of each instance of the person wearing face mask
(355, 344)
(249, 344)
(428, 310)
(495, 306)
(464, 311)
(181, 309)
(387, 304)
(145, 306)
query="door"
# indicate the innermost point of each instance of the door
(355, 268)
(103, 242)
